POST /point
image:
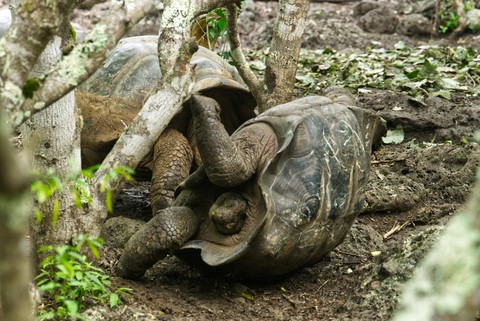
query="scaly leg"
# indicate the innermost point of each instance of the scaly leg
(172, 160)
(162, 235)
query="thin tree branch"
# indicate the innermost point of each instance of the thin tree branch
(255, 86)
(87, 56)
(459, 8)
(205, 6)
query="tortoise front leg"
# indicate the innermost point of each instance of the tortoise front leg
(229, 161)
(172, 160)
(162, 235)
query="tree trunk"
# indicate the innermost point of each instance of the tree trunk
(52, 137)
(281, 64)
(284, 51)
(15, 206)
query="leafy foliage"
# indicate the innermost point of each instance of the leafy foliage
(421, 72)
(71, 281)
(211, 29)
(47, 184)
(448, 18)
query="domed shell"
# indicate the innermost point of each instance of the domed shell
(304, 200)
(115, 93)
(132, 71)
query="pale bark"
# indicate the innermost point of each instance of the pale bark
(255, 86)
(52, 138)
(459, 8)
(86, 57)
(15, 206)
(281, 64)
(446, 285)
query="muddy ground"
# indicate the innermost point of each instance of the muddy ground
(414, 189)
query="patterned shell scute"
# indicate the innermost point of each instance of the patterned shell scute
(312, 178)
(315, 178)
(111, 98)
(130, 71)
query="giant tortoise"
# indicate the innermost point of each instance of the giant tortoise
(115, 93)
(277, 195)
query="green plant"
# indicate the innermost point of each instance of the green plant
(212, 29)
(70, 280)
(449, 22)
(47, 184)
(43, 188)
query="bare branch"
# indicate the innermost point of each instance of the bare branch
(86, 57)
(459, 8)
(255, 86)
(35, 23)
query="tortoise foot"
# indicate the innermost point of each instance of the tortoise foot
(163, 234)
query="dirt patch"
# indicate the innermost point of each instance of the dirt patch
(415, 187)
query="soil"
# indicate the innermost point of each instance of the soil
(415, 187)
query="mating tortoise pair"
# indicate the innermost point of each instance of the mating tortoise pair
(276, 195)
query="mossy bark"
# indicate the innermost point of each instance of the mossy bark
(446, 285)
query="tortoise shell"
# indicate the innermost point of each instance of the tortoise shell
(115, 93)
(301, 203)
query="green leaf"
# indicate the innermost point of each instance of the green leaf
(400, 45)
(38, 216)
(394, 136)
(48, 287)
(94, 249)
(108, 201)
(442, 93)
(47, 315)
(413, 74)
(246, 296)
(72, 307)
(114, 300)
(222, 24)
